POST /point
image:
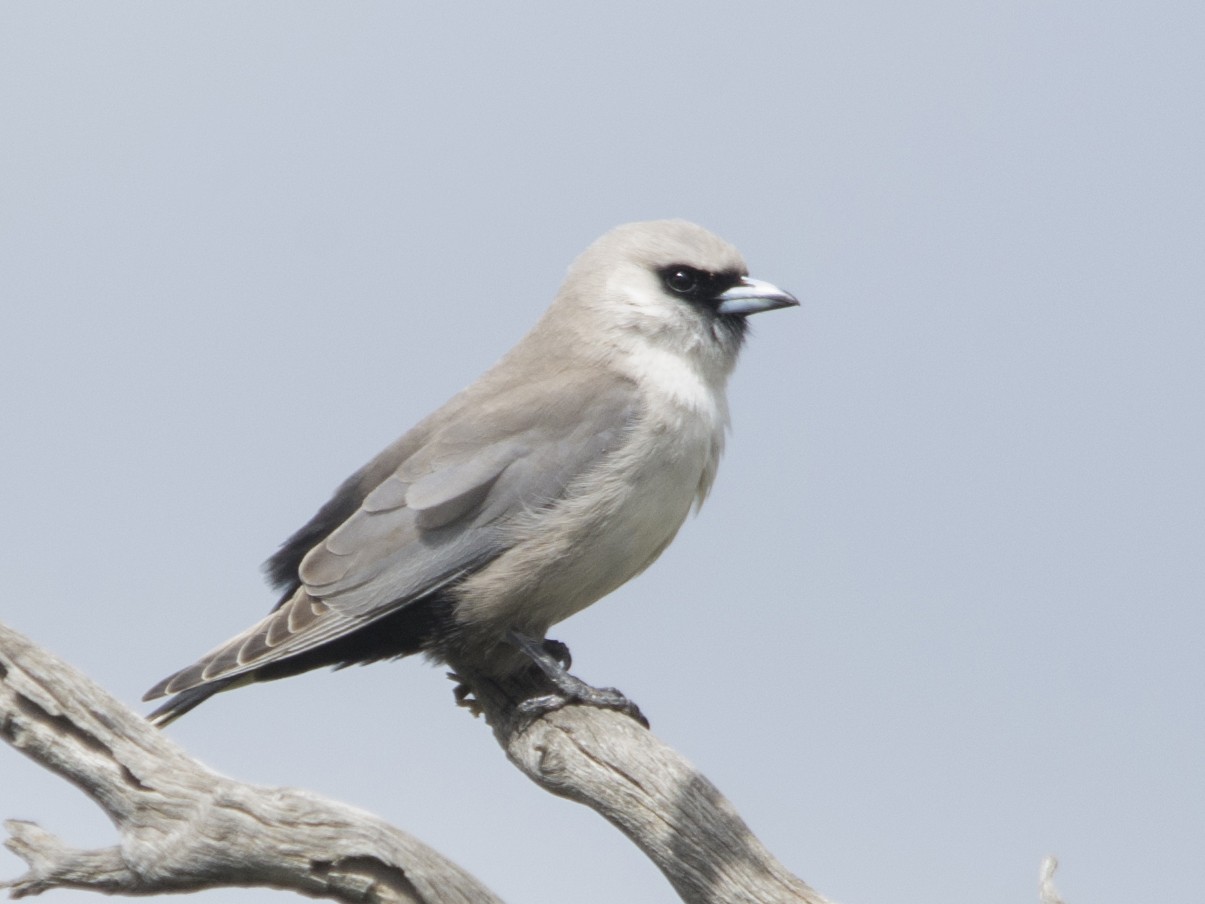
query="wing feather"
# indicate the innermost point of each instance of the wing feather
(428, 511)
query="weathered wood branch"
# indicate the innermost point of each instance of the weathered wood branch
(1047, 893)
(610, 763)
(185, 828)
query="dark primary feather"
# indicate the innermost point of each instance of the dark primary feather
(282, 566)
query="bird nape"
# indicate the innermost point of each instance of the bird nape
(561, 473)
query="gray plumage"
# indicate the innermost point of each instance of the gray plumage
(560, 474)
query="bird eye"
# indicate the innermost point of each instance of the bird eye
(682, 280)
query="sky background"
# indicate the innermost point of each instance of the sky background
(942, 614)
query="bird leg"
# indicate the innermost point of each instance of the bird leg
(553, 659)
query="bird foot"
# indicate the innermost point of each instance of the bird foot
(602, 697)
(553, 659)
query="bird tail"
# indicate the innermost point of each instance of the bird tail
(185, 701)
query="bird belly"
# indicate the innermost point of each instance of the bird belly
(613, 525)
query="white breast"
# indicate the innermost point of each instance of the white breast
(680, 381)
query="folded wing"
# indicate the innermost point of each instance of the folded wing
(438, 515)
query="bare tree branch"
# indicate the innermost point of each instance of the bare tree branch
(1047, 893)
(184, 828)
(607, 761)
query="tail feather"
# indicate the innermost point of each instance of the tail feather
(301, 635)
(187, 700)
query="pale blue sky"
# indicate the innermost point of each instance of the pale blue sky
(943, 612)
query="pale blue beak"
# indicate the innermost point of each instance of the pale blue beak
(753, 296)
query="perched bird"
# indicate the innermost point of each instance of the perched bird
(560, 474)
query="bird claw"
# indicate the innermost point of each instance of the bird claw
(601, 697)
(553, 659)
